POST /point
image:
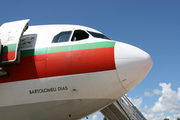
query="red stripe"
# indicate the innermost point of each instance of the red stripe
(6, 56)
(62, 63)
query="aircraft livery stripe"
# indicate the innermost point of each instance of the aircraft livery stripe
(61, 63)
(8, 56)
(10, 47)
(39, 51)
(9, 51)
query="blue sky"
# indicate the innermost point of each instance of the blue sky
(152, 25)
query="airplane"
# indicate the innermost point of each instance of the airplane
(63, 72)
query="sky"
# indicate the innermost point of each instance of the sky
(152, 25)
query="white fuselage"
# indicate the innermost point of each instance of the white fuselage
(70, 83)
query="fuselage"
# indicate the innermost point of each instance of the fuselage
(68, 72)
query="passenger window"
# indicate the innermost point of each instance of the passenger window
(79, 35)
(62, 37)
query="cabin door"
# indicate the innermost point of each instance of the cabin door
(10, 35)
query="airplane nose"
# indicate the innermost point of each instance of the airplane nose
(132, 64)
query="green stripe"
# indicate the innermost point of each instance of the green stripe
(81, 47)
(10, 47)
(39, 51)
(34, 52)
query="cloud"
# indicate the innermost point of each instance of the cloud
(148, 94)
(152, 116)
(136, 102)
(95, 117)
(168, 102)
(178, 94)
(176, 113)
(157, 91)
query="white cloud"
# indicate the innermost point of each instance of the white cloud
(167, 102)
(148, 94)
(145, 109)
(95, 117)
(136, 102)
(157, 91)
(176, 113)
(170, 118)
(178, 94)
(152, 116)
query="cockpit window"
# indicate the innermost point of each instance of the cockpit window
(62, 37)
(79, 35)
(98, 35)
